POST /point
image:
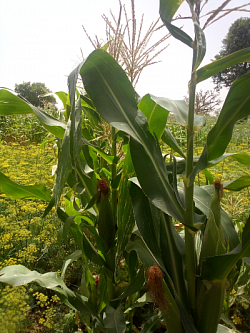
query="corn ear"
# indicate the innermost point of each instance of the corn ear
(106, 226)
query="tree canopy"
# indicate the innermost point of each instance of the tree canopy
(33, 92)
(237, 38)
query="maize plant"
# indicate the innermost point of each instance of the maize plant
(124, 197)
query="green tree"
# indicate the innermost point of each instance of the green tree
(238, 38)
(33, 92)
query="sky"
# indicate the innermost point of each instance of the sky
(43, 41)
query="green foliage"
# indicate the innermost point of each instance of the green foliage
(238, 38)
(34, 93)
(126, 207)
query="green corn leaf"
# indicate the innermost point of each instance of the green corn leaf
(75, 228)
(237, 184)
(86, 101)
(11, 104)
(72, 80)
(227, 321)
(146, 221)
(16, 191)
(126, 219)
(236, 107)
(209, 177)
(66, 227)
(219, 267)
(69, 259)
(64, 97)
(169, 139)
(152, 323)
(64, 167)
(167, 10)
(150, 174)
(19, 275)
(114, 99)
(199, 37)
(69, 158)
(210, 302)
(202, 201)
(160, 236)
(173, 315)
(91, 252)
(180, 111)
(156, 115)
(108, 158)
(242, 158)
(136, 243)
(173, 252)
(201, 42)
(112, 93)
(224, 329)
(221, 64)
(140, 302)
(82, 240)
(114, 320)
(213, 242)
(135, 285)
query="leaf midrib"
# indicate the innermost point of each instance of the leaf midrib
(163, 180)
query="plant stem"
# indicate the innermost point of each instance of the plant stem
(189, 190)
(114, 173)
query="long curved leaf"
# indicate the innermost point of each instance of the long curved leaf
(180, 111)
(135, 285)
(167, 10)
(64, 167)
(156, 115)
(236, 107)
(11, 104)
(152, 323)
(16, 191)
(242, 158)
(18, 275)
(221, 64)
(202, 201)
(169, 139)
(69, 259)
(114, 99)
(237, 184)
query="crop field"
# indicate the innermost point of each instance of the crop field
(31, 240)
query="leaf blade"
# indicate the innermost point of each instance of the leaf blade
(16, 191)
